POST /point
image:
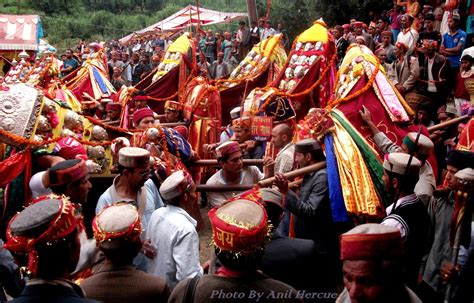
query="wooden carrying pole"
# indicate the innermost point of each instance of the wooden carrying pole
(295, 173)
(262, 183)
(213, 162)
(447, 123)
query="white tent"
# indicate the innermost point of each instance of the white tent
(187, 17)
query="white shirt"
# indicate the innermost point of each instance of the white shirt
(409, 38)
(431, 85)
(285, 158)
(173, 234)
(37, 187)
(249, 175)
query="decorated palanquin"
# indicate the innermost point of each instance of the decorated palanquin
(92, 77)
(169, 80)
(45, 70)
(258, 69)
(305, 81)
(202, 108)
(354, 163)
(18, 71)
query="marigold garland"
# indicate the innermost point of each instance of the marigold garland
(369, 84)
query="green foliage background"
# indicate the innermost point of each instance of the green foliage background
(65, 21)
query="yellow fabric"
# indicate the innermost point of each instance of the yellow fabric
(359, 193)
(181, 45)
(317, 32)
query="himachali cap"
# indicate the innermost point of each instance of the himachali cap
(175, 185)
(68, 171)
(142, 113)
(270, 195)
(424, 147)
(466, 175)
(227, 148)
(397, 163)
(113, 106)
(132, 157)
(307, 146)
(371, 241)
(386, 34)
(116, 225)
(346, 26)
(88, 105)
(46, 220)
(460, 159)
(173, 105)
(239, 226)
(70, 148)
(235, 113)
(451, 110)
(242, 123)
(358, 24)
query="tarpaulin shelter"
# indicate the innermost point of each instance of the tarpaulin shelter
(18, 33)
(187, 17)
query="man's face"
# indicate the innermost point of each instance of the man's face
(452, 24)
(113, 114)
(404, 22)
(234, 164)
(220, 58)
(429, 25)
(146, 122)
(138, 176)
(301, 159)
(362, 283)
(68, 54)
(78, 191)
(451, 180)
(386, 40)
(424, 117)
(443, 117)
(135, 58)
(171, 116)
(358, 30)
(209, 33)
(241, 134)
(387, 181)
(277, 139)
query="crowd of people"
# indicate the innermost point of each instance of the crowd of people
(275, 244)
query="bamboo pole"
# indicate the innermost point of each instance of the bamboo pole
(447, 123)
(212, 162)
(295, 173)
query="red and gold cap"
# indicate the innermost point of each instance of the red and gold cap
(242, 123)
(67, 171)
(113, 106)
(239, 226)
(368, 241)
(173, 106)
(142, 113)
(227, 148)
(117, 224)
(46, 220)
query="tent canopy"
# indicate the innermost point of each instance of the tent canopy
(187, 17)
(20, 32)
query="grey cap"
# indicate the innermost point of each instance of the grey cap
(307, 146)
(271, 195)
(32, 218)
